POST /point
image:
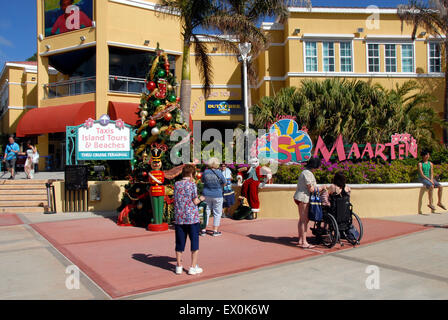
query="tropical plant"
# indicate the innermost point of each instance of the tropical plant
(193, 15)
(431, 15)
(358, 110)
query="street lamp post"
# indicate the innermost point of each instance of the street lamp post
(244, 55)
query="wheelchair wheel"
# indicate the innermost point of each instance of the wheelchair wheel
(329, 232)
(356, 222)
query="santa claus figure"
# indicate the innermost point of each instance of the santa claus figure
(255, 178)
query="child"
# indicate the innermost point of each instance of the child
(426, 172)
(186, 216)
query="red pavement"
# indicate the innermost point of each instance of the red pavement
(126, 260)
(9, 219)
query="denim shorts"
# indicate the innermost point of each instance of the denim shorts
(428, 184)
(182, 230)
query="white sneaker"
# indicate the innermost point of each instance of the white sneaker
(179, 269)
(195, 270)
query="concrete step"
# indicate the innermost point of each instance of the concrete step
(23, 181)
(41, 191)
(23, 197)
(22, 187)
(29, 203)
(22, 210)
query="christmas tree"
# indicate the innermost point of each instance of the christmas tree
(148, 196)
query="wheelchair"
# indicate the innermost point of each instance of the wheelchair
(338, 222)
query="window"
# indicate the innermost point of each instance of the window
(328, 54)
(391, 57)
(311, 56)
(407, 58)
(374, 57)
(345, 49)
(434, 57)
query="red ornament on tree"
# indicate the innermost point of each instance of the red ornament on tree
(199, 175)
(168, 116)
(151, 85)
(152, 123)
(178, 99)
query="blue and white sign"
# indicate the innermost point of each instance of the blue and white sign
(223, 108)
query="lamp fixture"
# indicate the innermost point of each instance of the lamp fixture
(41, 37)
(214, 49)
(93, 24)
(359, 30)
(82, 38)
(48, 47)
(146, 42)
(423, 33)
(296, 31)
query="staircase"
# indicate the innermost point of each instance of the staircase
(23, 196)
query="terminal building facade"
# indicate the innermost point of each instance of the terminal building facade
(99, 66)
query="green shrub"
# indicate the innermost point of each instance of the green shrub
(365, 172)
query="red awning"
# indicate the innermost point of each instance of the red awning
(126, 111)
(54, 119)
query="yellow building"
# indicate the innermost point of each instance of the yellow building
(102, 62)
(18, 92)
(353, 43)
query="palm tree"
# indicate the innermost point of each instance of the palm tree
(193, 15)
(240, 18)
(358, 110)
(433, 17)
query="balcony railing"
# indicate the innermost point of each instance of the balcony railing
(70, 88)
(126, 84)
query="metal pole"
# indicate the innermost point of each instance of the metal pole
(246, 112)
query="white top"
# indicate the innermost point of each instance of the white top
(302, 193)
(227, 173)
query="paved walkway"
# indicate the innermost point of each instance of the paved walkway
(57, 175)
(252, 260)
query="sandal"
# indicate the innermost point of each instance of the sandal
(432, 207)
(441, 206)
(309, 246)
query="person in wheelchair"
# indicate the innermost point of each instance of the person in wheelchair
(341, 208)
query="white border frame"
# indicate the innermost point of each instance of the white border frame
(414, 69)
(379, 58)
(428, 70)
(396, 58)
(352, 48)
(304, 55)
(334, 56)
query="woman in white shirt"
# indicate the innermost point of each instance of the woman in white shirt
(305, 186)
(29, 163)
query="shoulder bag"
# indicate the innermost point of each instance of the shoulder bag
(315, 212)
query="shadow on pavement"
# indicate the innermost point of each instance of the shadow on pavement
(287, 241)
(162, 262)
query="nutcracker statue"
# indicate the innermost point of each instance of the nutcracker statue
(157, 189)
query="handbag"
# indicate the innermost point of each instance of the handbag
(35, 157)
(315, 213)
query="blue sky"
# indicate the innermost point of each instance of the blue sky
(18, 24)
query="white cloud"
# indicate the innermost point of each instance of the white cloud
(5, 42)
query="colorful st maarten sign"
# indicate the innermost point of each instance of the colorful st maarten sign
(103, 139)
(286, 143)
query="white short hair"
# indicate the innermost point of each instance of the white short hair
(213, 163)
